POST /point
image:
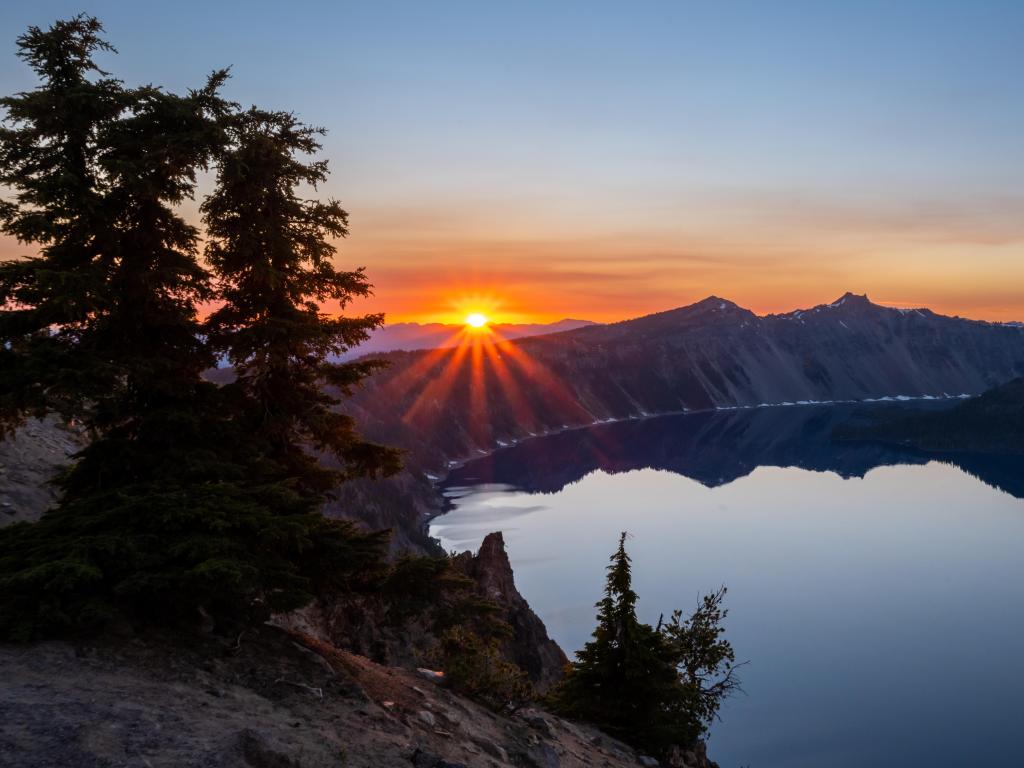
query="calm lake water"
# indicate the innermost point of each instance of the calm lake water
(878, 595)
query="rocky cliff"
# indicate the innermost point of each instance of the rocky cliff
(368, 626)
(530, 648)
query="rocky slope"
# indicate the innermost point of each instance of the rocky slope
(285, 696)
(275, 700)
(29, 461)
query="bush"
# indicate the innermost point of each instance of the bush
(473, 666)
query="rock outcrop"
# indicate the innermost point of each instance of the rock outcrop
(362, 625)
(529, 647)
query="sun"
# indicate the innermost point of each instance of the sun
(476, 320)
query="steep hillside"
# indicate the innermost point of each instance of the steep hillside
(277, 700)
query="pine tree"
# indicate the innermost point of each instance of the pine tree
(271, 251)
(172, 511)
(625, 680)
(50, 147)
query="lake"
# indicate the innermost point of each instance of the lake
(877, 593)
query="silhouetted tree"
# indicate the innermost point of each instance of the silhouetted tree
(174, 509)
(704, 659)
(272, 254)
(627, 680)
(51, 144)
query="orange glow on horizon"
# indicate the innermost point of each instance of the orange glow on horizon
(492, 376)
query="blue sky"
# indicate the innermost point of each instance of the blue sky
(608, 159)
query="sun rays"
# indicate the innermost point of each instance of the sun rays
(503, 387)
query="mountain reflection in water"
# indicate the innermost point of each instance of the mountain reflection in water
(716, 448)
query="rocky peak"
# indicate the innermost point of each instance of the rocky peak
(852, 301)
(493, 571)
(529, 647)
(715, 304)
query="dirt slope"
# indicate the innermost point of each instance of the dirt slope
(276, 701)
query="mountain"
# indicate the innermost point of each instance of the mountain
(456, 403)
(412, 336)
(992, 423)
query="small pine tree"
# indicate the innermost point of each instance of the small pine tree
(626, 680)
(473, 665)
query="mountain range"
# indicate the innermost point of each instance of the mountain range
(446, 405)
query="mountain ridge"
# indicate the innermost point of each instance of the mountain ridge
(712, 353)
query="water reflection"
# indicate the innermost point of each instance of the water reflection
(715, 448)
(878, 594)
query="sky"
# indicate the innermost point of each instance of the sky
(535, 161)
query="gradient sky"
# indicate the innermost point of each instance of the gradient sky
(604, 160)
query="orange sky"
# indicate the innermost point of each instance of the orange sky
(763, 254)
(769, 254)
(549, 160)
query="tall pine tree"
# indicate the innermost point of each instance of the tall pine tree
(51, 142)
(176, 508)
(271, 250)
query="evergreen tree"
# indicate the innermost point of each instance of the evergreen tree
(172, 510)
(627, 680)
(271, 251)
(50, 147)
